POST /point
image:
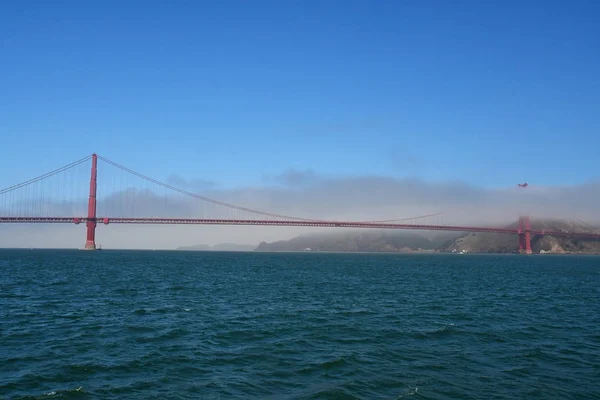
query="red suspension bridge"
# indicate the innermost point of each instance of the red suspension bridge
(58, 197)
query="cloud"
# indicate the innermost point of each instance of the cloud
(294, 178)
(192, 184)
(305, 194)
(374, 197)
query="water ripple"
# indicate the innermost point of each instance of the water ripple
(141, 325)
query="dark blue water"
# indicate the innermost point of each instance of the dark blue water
(143, 325)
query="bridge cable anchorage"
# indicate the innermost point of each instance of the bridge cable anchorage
(44, 176)
(233, 206)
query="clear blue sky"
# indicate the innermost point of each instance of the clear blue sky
(491, 93)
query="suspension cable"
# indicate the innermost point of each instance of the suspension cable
(233, 206)
(44, 176)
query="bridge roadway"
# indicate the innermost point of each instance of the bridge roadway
(309, 223)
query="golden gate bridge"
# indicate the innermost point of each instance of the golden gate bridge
(57, 197)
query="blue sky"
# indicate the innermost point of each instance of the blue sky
(231, 91)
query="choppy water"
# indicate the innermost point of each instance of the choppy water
(142, 325)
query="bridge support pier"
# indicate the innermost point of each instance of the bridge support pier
(90, 243)
(524, 233)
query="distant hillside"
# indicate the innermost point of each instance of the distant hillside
(360, 241)
(219, 247)
(363, 240)
(506, 243)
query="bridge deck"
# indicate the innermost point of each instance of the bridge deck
(307, 223)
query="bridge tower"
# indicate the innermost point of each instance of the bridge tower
(524, 232)
(90, 243)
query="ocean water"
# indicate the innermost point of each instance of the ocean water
(192, 325)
